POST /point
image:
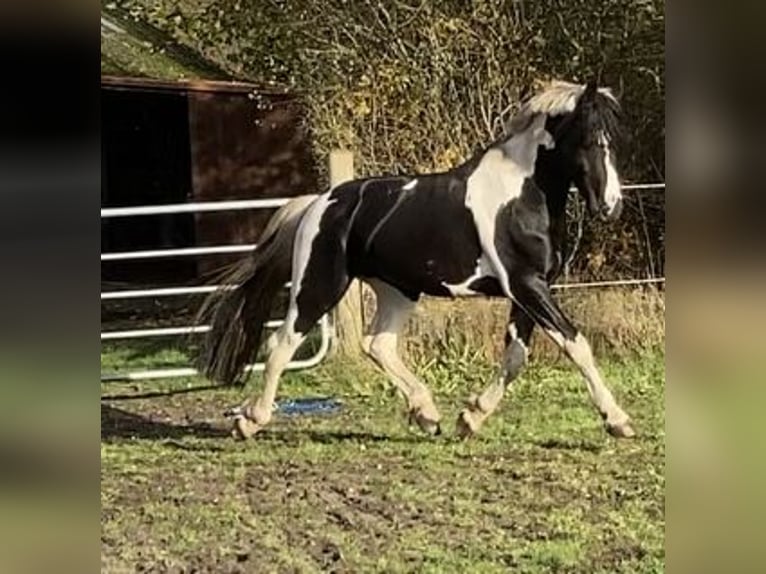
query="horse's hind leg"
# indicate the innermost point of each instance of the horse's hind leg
(254, 415)
(319, 280)
(519, 332)
(393, 310)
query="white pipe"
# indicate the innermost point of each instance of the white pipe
(163, 292)
(324, 347)
(171, 291)
(633, 187)
(193, 207)
(168, 331)
(166, 291)
(637, 186)
(184, 252)
(616, 282)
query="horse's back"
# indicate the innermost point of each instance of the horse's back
(414, 233)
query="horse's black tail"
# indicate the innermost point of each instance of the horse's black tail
(238, 311)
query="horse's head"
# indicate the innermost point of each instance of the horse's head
(585, 137)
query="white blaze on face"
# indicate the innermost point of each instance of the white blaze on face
(613, 190)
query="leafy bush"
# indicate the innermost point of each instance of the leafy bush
(419, 85)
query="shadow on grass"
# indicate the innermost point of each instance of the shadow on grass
(288, 439)
(118, 423)
(331, 437)
(158, 394)
(570, 444)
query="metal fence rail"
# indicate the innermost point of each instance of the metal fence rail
(182, 252)
(197, 207)
(142, 333)
(314, 360)
(213, 206)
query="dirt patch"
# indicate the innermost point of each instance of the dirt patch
(321, 506)
(542, 489)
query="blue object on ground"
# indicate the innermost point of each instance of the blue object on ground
(309, 406)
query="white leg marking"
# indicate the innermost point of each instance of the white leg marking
(256, 413)
(283, 344)
(288, 343)
(514, 333)
(479, 408)
(580, 353)
(390, 318)
(272, 341)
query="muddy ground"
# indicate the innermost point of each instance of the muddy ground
(543, 489)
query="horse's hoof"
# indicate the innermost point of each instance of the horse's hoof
(432, 428)
(465, 427)
(427, 425)
(244, 428)
(622, 430)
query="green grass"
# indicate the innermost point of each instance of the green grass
(542, 489)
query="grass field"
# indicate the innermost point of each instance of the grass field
(542, 489)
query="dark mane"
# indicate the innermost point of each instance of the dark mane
(558, 100)
(608, 114)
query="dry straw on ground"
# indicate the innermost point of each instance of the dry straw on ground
(618, 321)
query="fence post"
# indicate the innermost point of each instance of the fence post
(348, 313)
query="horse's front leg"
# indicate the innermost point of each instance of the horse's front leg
(517, 338)
(533, 293)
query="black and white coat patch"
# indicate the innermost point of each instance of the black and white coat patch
(451, 234)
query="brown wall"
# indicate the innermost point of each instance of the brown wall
(242, 148)
(170, 142)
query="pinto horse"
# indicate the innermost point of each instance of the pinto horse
(493, 226)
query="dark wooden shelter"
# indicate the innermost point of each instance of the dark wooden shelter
(182, 138)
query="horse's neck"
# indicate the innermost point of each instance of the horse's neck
(554, 186)
(511, 161)
(521, 153)
(556, 199)
(556, 191)
(495, 180)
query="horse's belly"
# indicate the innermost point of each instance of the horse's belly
(482, 281)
